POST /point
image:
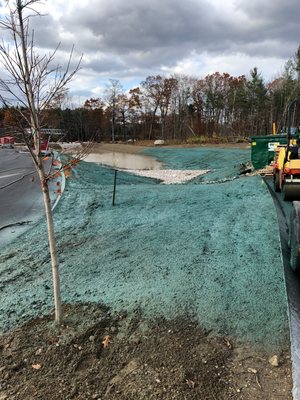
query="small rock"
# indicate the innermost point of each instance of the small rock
(274, 361)
(36, 366)
(92, 338)
(38, 352)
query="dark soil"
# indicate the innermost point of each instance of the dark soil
(144, 360)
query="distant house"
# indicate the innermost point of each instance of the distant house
(7, 140)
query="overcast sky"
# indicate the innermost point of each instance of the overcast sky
(131, 39)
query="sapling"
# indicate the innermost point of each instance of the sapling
(30, 84)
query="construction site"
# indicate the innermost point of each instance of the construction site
(184, 268)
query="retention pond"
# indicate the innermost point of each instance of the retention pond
(124, 160)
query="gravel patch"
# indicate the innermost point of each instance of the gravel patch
(169, 176)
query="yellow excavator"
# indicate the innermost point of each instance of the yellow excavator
(286, 168)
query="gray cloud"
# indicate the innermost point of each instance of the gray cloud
(274, 11)
(138, 38)
(135, 28)
(275, 21)
(142, 26)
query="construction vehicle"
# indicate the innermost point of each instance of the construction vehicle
(286, 168)
(286, 178)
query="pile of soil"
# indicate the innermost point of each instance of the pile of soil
(99, 355)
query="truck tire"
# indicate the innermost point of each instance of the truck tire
(294, 237)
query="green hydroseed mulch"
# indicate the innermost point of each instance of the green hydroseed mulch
(209, 251)
(224, 163)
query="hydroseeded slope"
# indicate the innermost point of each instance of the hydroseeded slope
(210, 251)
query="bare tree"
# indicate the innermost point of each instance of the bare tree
(32, 83)
(152, 93)
(113, 90)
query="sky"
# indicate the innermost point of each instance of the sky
(129, 40)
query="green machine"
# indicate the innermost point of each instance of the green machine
(262, 148)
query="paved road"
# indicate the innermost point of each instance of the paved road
(20, 193)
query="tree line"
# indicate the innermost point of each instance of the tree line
(178, 107)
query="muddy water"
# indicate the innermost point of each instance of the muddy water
(124, 160)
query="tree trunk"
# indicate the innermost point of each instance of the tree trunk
(113, 129)
(52, 246)
(151, 127)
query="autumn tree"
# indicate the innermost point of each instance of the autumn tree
(123, 113)
(33, 82)
(237, 105)
(94, 111)
(168, 88)
(10, 117)
(136, 112)
(152, 97)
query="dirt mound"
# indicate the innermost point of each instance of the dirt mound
(143, 359)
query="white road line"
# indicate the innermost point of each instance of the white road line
(7, 176)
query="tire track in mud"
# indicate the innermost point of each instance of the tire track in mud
(292, 282)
